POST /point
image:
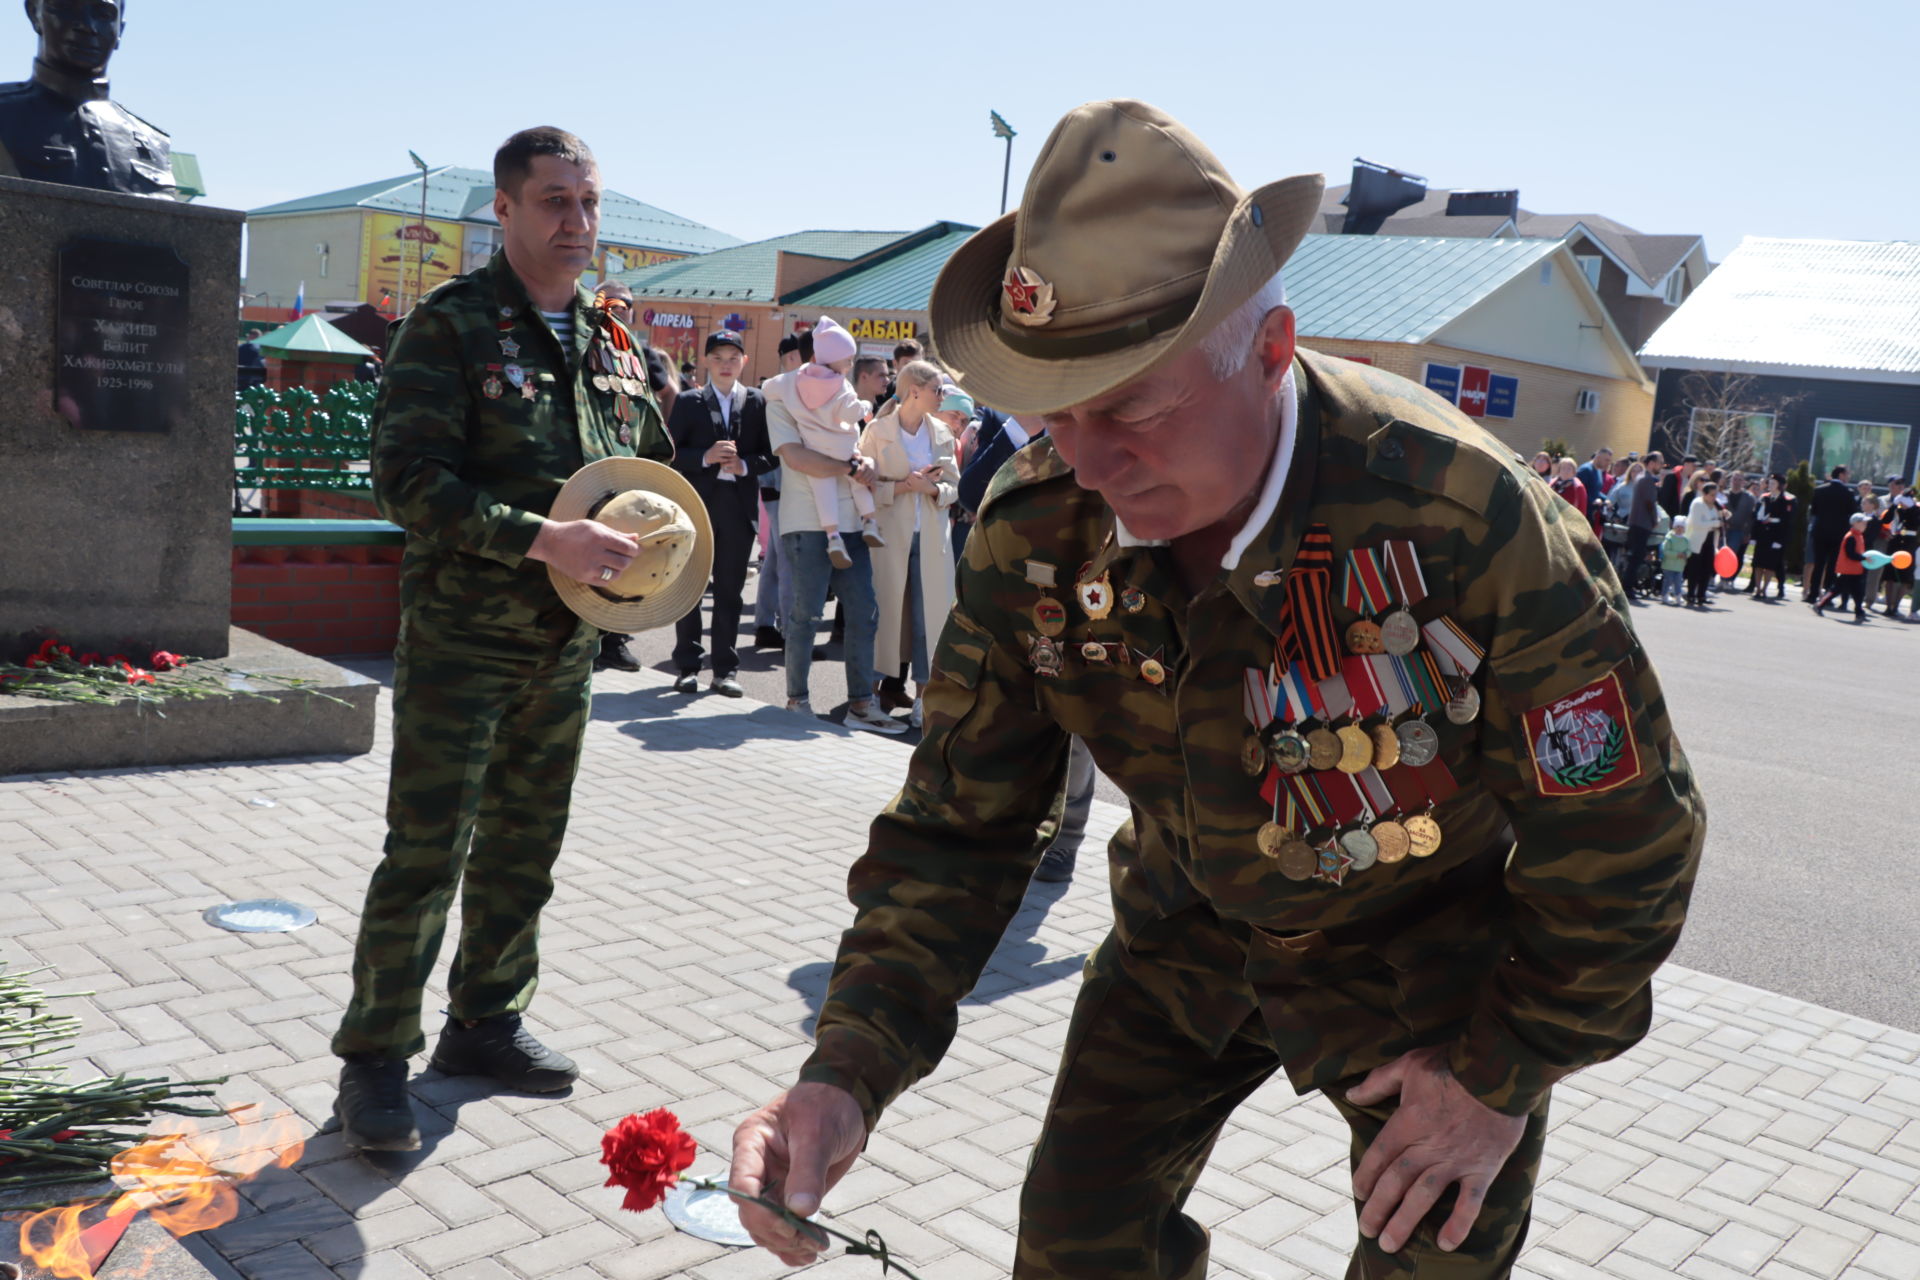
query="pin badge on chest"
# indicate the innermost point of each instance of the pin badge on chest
(1096, 598)
(1044, 655)
(509, 348)
(492, 387)
(516, 376)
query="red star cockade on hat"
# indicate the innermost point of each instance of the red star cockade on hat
(1028, 296)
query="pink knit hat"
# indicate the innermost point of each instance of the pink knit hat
(831, 342)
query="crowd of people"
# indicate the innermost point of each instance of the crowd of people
(857, 478)
(1683, 532)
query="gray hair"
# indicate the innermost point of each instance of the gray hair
(1231, 341)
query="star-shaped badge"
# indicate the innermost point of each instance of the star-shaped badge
(509, 348)
(1334, 864)
(526, 389)
(1029, 298)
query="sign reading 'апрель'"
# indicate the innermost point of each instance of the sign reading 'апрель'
(120, 352)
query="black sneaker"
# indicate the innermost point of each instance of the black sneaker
(728, 686)
(689, 682)
(614, 655)
(503, 1048)
(1055, 866)
(374, 1110)
(768, 638)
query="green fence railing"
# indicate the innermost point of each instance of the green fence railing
(294, 439)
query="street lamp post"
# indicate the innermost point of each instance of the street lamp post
(420, 245)
(1001, 129)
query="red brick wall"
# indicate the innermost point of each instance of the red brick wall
(317, 504)
(319, 600)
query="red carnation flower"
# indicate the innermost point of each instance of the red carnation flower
(164, 661)
(47, 648)
(35, 660)
(89, 659)
(646, 1154)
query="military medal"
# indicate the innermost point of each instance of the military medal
(1364, 637)
(1045, 656)
(602, 383)
(626, 434)
(1040, 574)
(1297, 859)
(1424, 833)
(1133, 599)
(515, 375)
(1399, 633)
(1393, 841)
(492, 387)
(1093, 651)
(1360, 848)
(1386, 746)
(1323, 748)
(1356, 749)
(1271, 838)
(1290, 753)
(1152, 672)
(1268, 578)
(1096, 598)
(1253, 756)
(509, 348)
(526, 389)
(1464, 707)
(1419, 744)
(1332, 865)
(1049, 616)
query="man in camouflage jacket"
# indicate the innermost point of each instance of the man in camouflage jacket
(1134, 579)
(496, 390)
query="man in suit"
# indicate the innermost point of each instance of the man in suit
(1828, 517)
(1673, 486)
(719, 435)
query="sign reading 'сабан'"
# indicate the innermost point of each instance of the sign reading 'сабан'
(120, 345)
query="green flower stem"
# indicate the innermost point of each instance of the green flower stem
(870, 1247)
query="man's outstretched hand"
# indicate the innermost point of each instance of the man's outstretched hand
(1438, 1136)
(793, 1150)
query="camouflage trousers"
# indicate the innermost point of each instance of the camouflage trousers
(1136, 1110)
(485, 748)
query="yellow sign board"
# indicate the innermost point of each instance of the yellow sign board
(883, 330)
(403, 257)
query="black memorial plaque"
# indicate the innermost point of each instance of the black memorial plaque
(120, 358)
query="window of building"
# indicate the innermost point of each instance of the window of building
(1870, 450)
(1738, 439)
(1590, 263)
(1677, 286)
(1586, 400)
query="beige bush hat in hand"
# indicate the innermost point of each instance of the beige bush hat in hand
(655, 504)
(1131, 243)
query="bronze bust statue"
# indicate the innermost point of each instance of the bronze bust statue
(60, 126)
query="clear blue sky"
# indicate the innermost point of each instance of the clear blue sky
(1674, 117)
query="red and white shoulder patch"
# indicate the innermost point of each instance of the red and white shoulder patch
(1583, 744)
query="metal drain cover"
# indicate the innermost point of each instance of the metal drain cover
(260, 915)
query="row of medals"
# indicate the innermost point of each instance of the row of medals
(1353, 748)
(615, 370)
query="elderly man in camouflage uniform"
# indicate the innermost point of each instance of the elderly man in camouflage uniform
(1409, 820)
(497, 389)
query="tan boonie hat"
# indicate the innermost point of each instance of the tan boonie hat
(656, 505)
(1131, 243)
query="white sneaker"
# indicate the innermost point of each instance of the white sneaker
(864, 715)
(917, 716)
(837, 552)
(870, 532)
(800, 706)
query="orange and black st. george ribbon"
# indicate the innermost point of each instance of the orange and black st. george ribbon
(1308, 633)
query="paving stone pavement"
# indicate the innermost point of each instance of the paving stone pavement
(700, 898)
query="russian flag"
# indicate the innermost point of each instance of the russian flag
(300, 300)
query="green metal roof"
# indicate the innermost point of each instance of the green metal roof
(186, 175)
(1398, 288)
(311, 337)
(745, 273)
(466, 195)
(900, 281)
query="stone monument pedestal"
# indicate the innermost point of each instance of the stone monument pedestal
(115, 533)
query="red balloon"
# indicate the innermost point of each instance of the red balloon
(1725, 563)
(1903, 560)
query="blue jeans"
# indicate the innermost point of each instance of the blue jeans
(811, 574)
(771, 603)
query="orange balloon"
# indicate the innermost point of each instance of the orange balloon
(1903, 560)
(1725, 563)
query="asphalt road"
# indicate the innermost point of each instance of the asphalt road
(1808, 885)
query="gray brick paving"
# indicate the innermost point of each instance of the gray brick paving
(700, 899)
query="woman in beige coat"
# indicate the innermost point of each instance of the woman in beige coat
(917, 480)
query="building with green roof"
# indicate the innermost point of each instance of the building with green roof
(369, 243)
(874, 282)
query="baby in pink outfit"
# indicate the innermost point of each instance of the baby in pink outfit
(829, 416)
